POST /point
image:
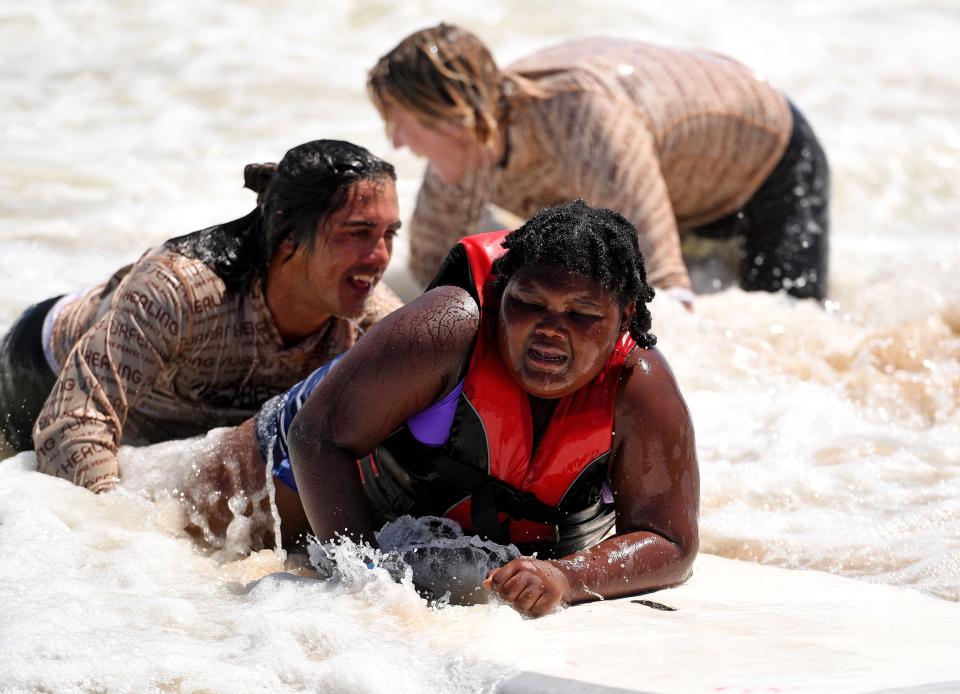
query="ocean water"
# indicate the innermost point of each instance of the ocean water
(828, 438)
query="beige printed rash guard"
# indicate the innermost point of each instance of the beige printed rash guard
(671, 139)
(163, 351)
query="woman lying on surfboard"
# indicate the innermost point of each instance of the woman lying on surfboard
(521, 395)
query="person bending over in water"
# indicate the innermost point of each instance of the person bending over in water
(201, 330)
(676, 140)
(521, 396)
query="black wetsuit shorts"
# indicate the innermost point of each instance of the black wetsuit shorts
(783, 229)
(25, 377)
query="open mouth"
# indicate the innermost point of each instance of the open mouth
(547, 359)
(362, 283)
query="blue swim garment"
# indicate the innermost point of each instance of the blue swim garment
(430, 426)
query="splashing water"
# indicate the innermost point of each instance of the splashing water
(429, 553)
(827, 438)
(122, 590)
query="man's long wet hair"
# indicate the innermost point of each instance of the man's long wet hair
(592, 242)
(311, 182)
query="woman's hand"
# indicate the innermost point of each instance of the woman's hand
(534, 586)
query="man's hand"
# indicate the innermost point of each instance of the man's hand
(534, 586)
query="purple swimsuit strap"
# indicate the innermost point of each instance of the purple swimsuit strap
(431, 426)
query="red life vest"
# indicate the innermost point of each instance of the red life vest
(487, 476)
(580, 431)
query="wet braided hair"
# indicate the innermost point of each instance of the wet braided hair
(592, 242)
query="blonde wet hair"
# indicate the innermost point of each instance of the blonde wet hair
(442, 74)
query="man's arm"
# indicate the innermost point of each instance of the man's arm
(107, 373)
(406, 361)
(656, 491)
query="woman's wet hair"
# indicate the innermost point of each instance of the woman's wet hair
(592, 242)
(443, 74)
(311, 182)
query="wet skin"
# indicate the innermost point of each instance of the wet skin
(305, 286)
(556, 330)
(335, 275)
(451, 149)
(235, 469)
(414, 357)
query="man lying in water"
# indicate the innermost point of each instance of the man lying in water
(521, 396)
(204, 328)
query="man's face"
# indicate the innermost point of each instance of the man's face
(351, 251)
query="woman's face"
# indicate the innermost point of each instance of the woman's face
(451, 150)
(557, 329)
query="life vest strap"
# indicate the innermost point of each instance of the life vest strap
(490, 496)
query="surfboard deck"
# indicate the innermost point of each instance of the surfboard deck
(741, 627)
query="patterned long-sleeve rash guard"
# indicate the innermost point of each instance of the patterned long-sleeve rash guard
(163, 351)
(671, 139)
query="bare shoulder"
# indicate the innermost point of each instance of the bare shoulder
(441, 316)
(405, 362)
(432, 335)
(454, 310)
(648, 388)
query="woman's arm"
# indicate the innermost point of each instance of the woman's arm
(406, 362)
(444, 214)
(656, 490)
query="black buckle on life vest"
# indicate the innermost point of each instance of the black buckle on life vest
(494, 496)
(484, 515)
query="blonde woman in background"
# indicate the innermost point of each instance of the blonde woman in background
(676, 140)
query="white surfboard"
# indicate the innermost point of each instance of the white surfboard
(741, 627)
(80, 570)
